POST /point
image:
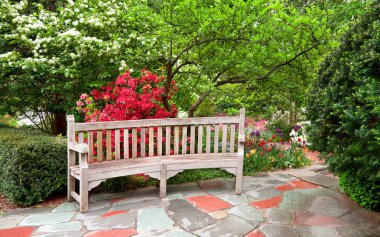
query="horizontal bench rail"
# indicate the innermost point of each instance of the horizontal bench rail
(81, 127)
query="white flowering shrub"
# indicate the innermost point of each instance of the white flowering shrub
(48, 58)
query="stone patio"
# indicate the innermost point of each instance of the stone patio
(300, 203)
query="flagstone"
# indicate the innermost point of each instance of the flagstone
(317, 231)
(67, 206)
(10, 221)
(177, 233)
(248, 213)
(47, 218)
(323, 180)
(267, 203)
(282, 177)
(229, 227)
(91, 214)
(218, 214)
(208, 203)
(278, 216)
(354, 219)
(327, 205)
(301, 184)
(61, 234)
(350, 231)
(318, 192)
(264, 193)
(16, 232)
(255, 233)
(187, 216)
(152, 219)
(304, 218)
(235, 199)
(121, 221)
(276, 230)
(112, 233)
(284, 187)
(137, 205)
(61, 227)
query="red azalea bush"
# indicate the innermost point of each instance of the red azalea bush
(127, 98)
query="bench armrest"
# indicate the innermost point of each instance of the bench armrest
(242, 138)
(80, 148)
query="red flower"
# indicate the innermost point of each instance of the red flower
(261, 153)
(269, 140)
(264, 148)
(299, 139)
(274, 136)
(280, 155)
(269, 149)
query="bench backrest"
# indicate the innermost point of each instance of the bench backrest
(115, 140)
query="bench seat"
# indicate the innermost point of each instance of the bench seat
(149, 166)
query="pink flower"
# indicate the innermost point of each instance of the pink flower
(83, 96)
(79, 103)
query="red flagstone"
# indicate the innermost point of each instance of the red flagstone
(255, 233)
(267, 203)
(301, 184)
(304, 218)
(112, 213)
(208, 203)
(285, 187)
(16, 232)
(112, 233)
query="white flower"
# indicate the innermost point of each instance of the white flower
(121, 68)
(70, 2)
(72, 32)
(131, 70)
(112, 61)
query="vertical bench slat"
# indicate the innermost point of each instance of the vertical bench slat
(184, 140)
(232, 138)
(142, 144)
(200, 138)
(167, 146)
(224, 138)
(126, 143)
(176, 140)
(80, 137)
(208, 138)
(99, 143)
(117, 144)
(90, 142)
(159, 141)
(192, 139)
(216, 138)
(151, 141)
(134, 143)
(108, 145)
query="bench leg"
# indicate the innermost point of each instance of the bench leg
(83, 192)
(163, 177)
(70, 179)
(239, 180)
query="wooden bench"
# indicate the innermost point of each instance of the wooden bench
(102, 150)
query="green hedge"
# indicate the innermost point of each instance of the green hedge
(365, 192)
(344, 106)
(32, 165)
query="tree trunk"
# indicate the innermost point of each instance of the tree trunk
(59, 123)
(194, 107)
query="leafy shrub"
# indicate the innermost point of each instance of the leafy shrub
(365, 192)
(344, 105)
(32, 165)
(280, 120)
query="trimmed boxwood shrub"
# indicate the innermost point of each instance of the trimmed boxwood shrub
(344, 108)
(32, 165)
(365, 192)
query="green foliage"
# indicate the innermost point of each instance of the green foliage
(344, 108)
(365, 192)
(344, 103)
(32, 165)
(197, 175)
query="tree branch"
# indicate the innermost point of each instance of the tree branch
(179, 67)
